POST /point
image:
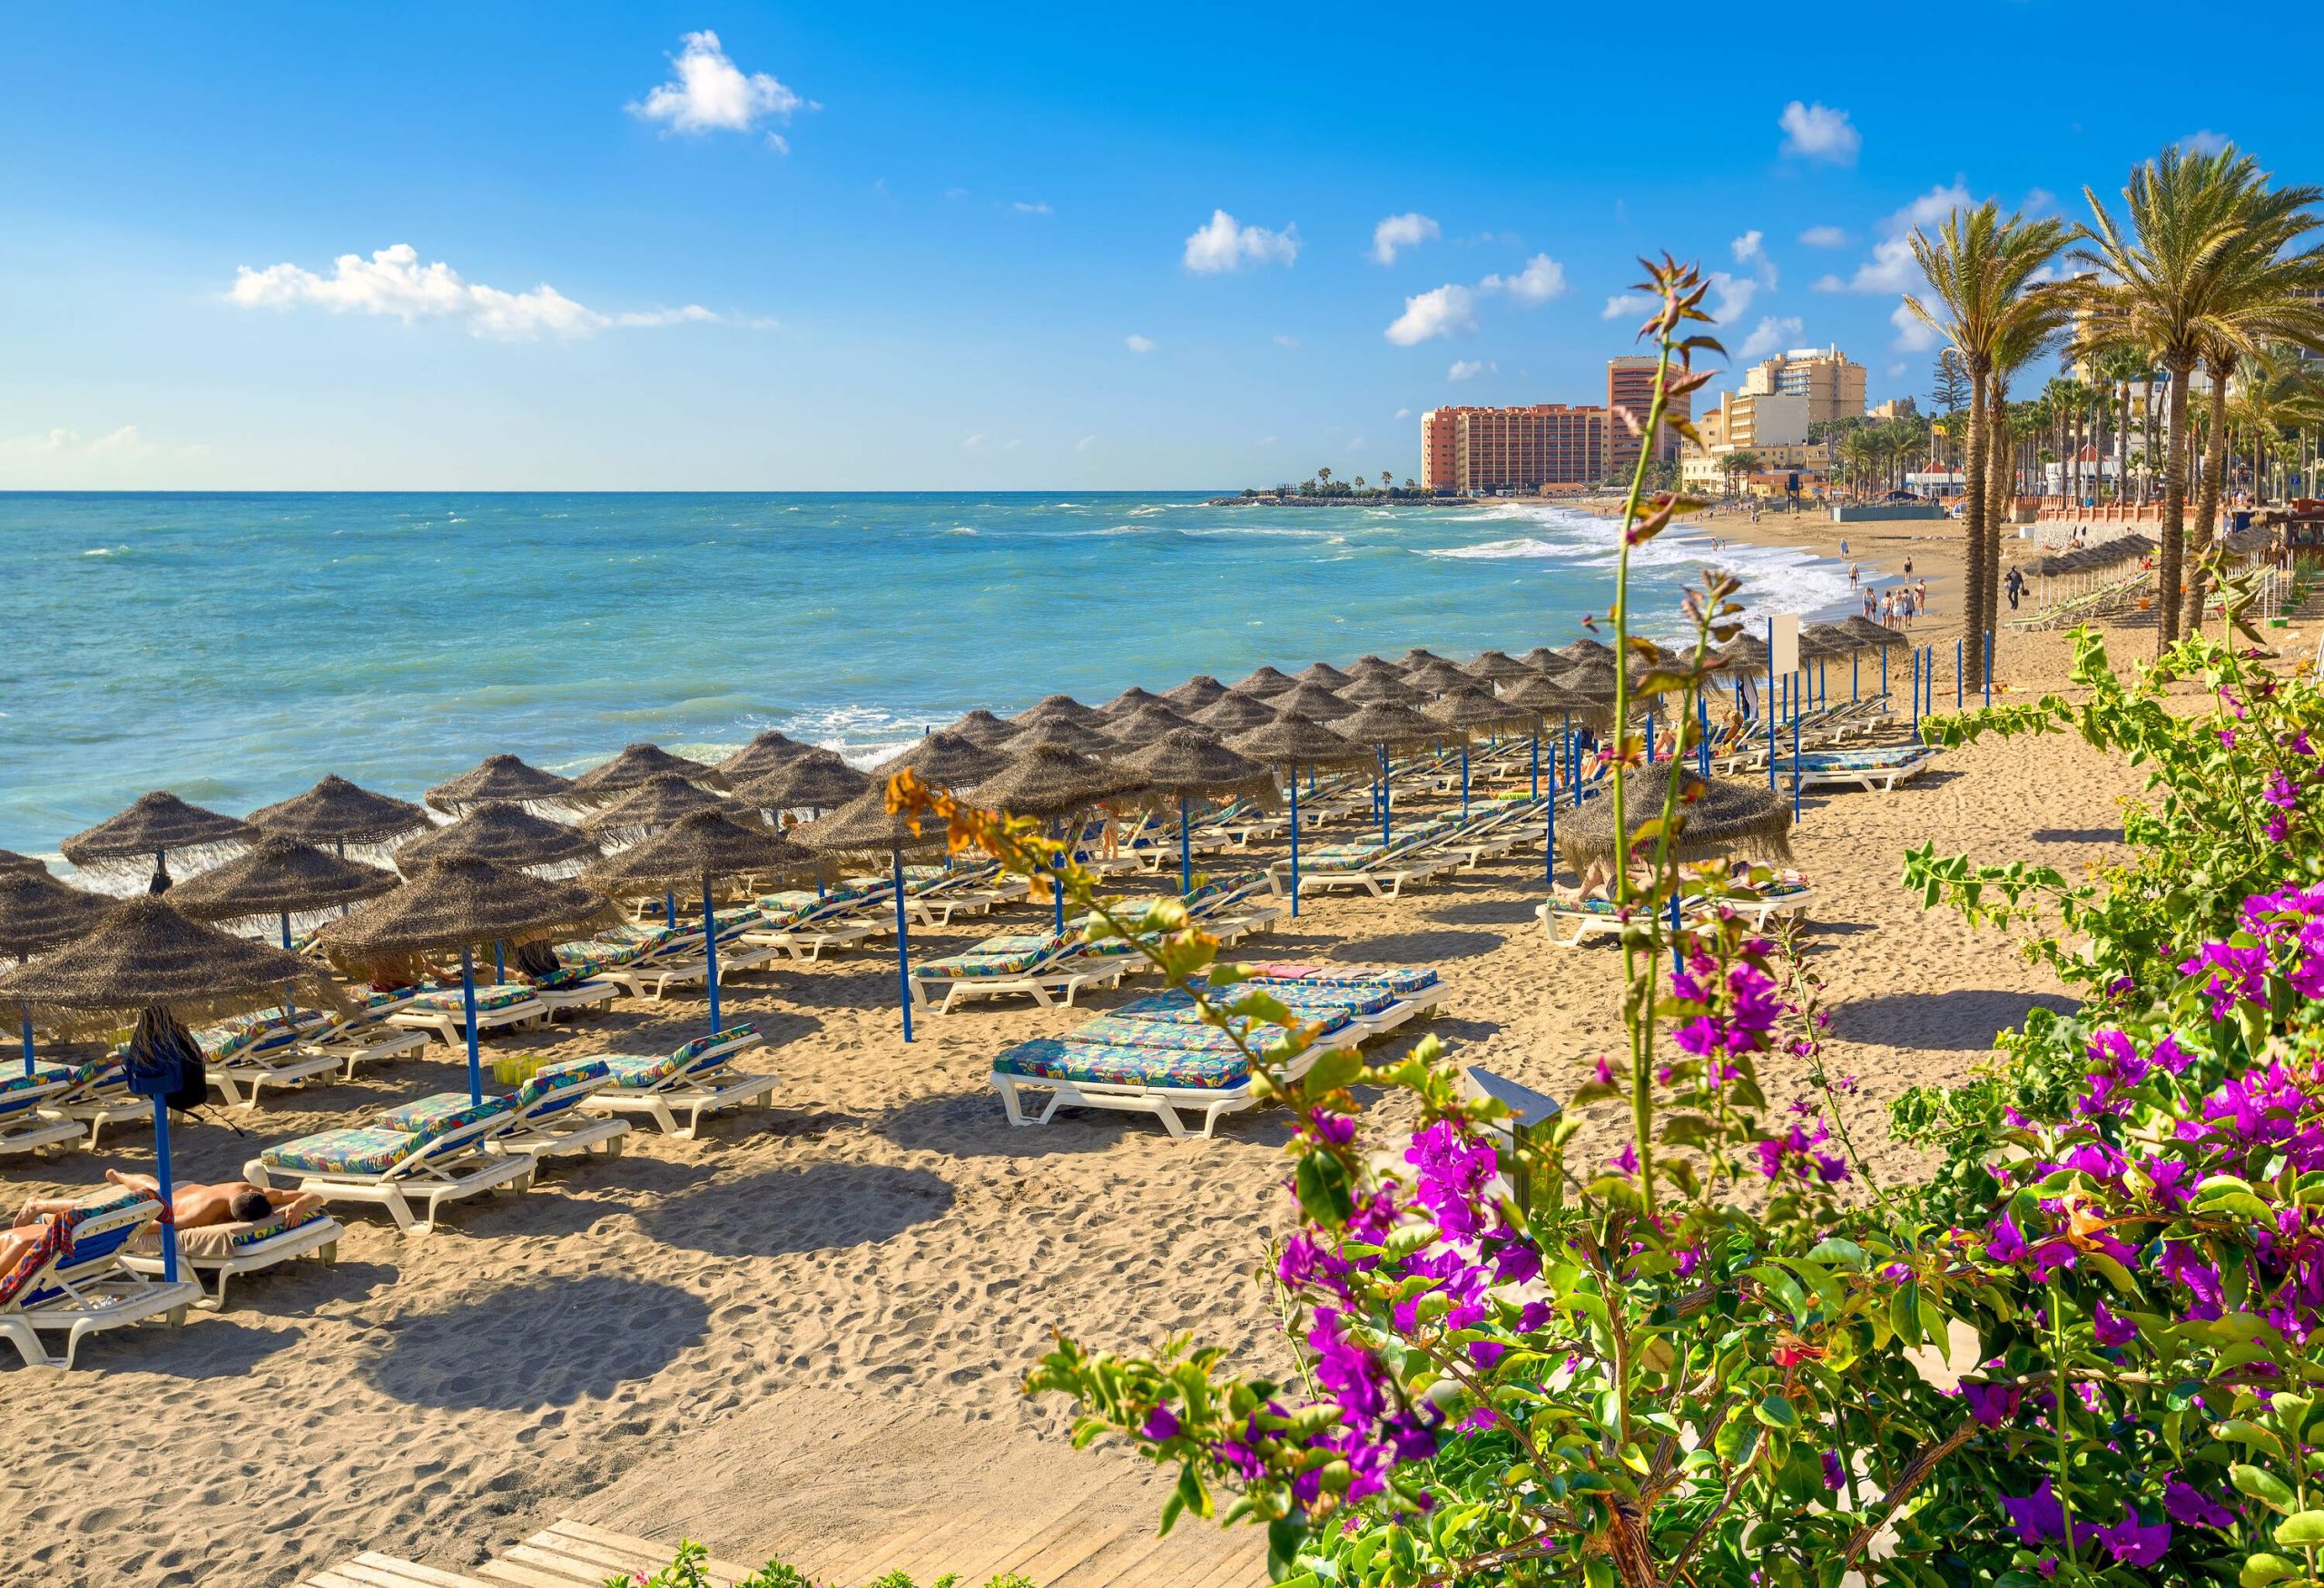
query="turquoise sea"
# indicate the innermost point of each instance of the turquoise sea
(234, 648)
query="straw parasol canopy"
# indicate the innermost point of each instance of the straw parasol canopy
(1497, 666)
(1537, 696)
(1064, 733)
(1129, 701)
(1289, 739)
(700, 849)
(767, 751)
(463, 904)
(500, 835)
(1586, 649)
(1195, 694)
(812, 783)
(1417, 657)
(1542, 659)
(1827, 639)
(1593, 678)
(1871, 636)
(1146, 724)
(336, 811)
(159, 824)
(1187, 760)
(10, 860)
(661, 800)
(1324, 674)
(634, 765)
(1437, 676)
(865, 826)
(943, 760)
(1381, 689)
(37, 913)
(1314, 702)
(1052, 708)
(1233, 714)
(1469, 707)
(499, 780)
(1746, 653)
(144, 954)
(1047, 779)
(1370, 666)
(984, 730)
(280, 877)
(1718, 817)
(1387, 722)
(1265, 681)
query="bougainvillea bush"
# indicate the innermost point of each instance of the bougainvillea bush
(1727, 1355)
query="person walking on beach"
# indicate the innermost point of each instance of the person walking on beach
(1908, 567)
(1852, 572)
(1888, 608)
(1920, 597)
(2015, 585)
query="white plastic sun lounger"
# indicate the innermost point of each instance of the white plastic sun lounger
(96, 1094)
(692, 1079)
(1586, 919)
(23, 1127)
(1384, 875)
(248, 1057)
(1049, 969)
(443, 1011)
(221, 1252)
(396, 1170)
(1867, 770)
(543, 1118)
(87, 1290)
(1155, 1081)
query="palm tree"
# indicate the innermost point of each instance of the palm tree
(2158, 279)
(1744, 462)
(1980, 269)
(1325, 476)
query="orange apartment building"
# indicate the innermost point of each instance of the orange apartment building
(1629, 385)
(1483, 449)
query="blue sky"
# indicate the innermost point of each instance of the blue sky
(741, 246)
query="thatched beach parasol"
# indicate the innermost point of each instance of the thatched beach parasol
(501, 835)
(1542, 659)
(1465, 710)
(864, 826)
(462, 903)
(1417, 657)
(984, 730)
(1046, 781)
(37, 914)
(1291, 741)
(812, 783)
(10, 860)
(1186, 762)
(280, 877)
(1195, 694)
(1146, 724)
(636, 762)
(1870, 634)
(1434, 677)
(1324, 674)
(159, 825)
(1497, 666)
(1129, 700)
(1314, 702)
(696, 852)
(1370, 667)
(767, 751)
(1381, 689)
(1586, 649)
(1063, 733)
(942, 760)
(337, 813)
(1264, 682)
(1718, 817)
(500, 780)
(1052, 708)
(1233, 714)
(659, 802)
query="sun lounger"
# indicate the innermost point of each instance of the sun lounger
(543, 1118)
(442, 1162)
(1865, 769)
(72, 1280)
(247, 1056)
(364, 1036)
(575, 984)
(1142, 1080)
(1045, 966)
(692, 1079)
(1410, 992)
(1786, 894)
(803, 923)
(632, 956)
(218, 1253)
(1381, 870)
(24, 1128)
(443, 1011)
(1592, 918)
(1229, 908)
(95, 1093)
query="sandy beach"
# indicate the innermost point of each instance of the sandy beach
(809, 1327)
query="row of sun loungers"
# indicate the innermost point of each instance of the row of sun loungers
(1583, 920)
(1158, 1056)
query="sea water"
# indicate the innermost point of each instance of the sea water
(234, 648)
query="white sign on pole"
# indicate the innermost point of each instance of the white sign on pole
(1783, 641)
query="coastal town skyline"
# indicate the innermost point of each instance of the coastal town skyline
(746, 251)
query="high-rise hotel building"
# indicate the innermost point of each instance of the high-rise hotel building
(1475, 449)
(1629, 389)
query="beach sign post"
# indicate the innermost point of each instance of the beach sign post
(1783, 661)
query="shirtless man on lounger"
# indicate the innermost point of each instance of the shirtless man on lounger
(193, 1206)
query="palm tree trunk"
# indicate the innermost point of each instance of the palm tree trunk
(2123, 449)
(2214, 478)
(2174, 506)
(1974, 470)
(2004, 485)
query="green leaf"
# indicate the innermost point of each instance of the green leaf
(2263, 1486)
(1334, 1070)
(1776, 1412)
(2260, 1569)
(1323, 1189)
(2300, 1529)
(1839, 1249)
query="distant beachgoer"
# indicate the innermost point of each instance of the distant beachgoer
(1871, 603)
(1920, 597)
(1853, 570)
(1908, 567)
(1888, 608)
(2015, 585)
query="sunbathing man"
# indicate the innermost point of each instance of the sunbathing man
(192, 1206)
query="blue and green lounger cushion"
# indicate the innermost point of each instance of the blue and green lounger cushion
(1048, 1059)
(1862, 760)
(497, 995)
(20, 1092)
(374, 1149)
(1185, 1037)
(544, 1095)
(1177, 1008)
(1007, 954)
(644, 1072)
(1398, 979)
(80, 1082)
(259, 1034)
(571, 973)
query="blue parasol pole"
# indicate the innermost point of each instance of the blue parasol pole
(1537, 759)
(709, 950)
(290, 1009)
(1464, 776)
(1057, 887)
(670, 906)
(169, 1196)
(1702, 740)
(1186, 850)
(1295, 843)
(1794, 771)
(1387, 795)
(1678, 954)
(1770, 703)
(1916, 693)
(1649, 736)
(1856, 671)
(1989, 669)
(27, 1010)
(1884, 675)
(467, 1005)
(1549, 838)
(499, 963)
(1956, 674)
(903, 950)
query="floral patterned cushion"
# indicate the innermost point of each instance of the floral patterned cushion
(1864, 760)
(1185, 1036)
(554, 1087)
(423, 1113)
(15, 1079)
(1047, 1058)
(373, 1150)
(257, 1034)
(453, 1001)
(1006, 955)
(644, 1072)
(576, 970)
(80, 1080)
(1330, 1010)
(1401, 979)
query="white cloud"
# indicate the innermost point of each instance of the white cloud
(127, 441)
(2205, 142)
(1467, 369)
(1913, 334)
(1817, 131)
(1221, 246)
(1139, 344)
(711, 94)
(65, 458)
(1731, 297)
(2039, 201)
(1826, 237)
(1748, 248)
(1084, 444)
(1771, 335)
(973, 443)
(1037, 207)
(393, 282)
(1403, 413)
(1282, 340)
(1409, 230)
(1356, 445)
(1626, 303)
(1439, 312)
(1896, 369)
(1542, 279)
(1891, 268)
(1265, 441)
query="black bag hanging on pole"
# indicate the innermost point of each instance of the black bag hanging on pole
(165, 1062)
